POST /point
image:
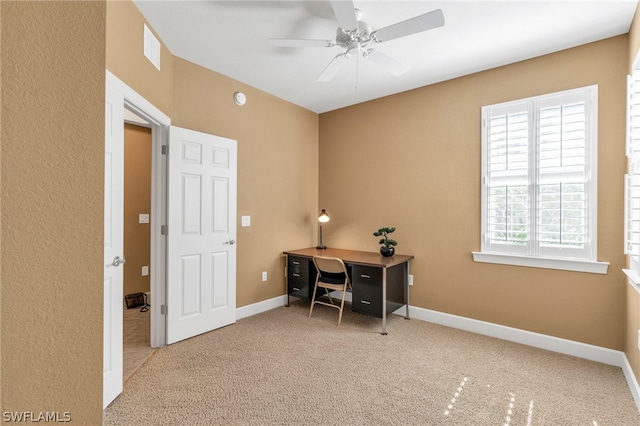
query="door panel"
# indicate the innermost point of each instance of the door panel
(113, 244)
(201, 294)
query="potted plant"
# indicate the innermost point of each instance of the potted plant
(388, 244)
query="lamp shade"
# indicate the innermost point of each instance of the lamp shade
(324, 217)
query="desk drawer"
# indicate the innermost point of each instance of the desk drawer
(367, 290)
(300, 277)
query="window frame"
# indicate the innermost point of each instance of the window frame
(533, 254)
(632, 198)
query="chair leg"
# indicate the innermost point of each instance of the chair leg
(344, 292)
(341, 309)
(313, 299)
(329, 295)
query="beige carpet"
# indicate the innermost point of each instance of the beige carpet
(282, 368)
(136, 340)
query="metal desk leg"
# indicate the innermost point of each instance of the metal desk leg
(286, 278)
(384, 301)
(406, 291)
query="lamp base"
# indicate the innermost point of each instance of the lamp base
(321, 247)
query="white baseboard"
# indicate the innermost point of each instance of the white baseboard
(257, 308)
(537, 340)
(542, 341)
(634, 387)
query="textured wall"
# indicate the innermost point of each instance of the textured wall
(413, 161)
(52, 186)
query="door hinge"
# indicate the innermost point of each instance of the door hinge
(165, 150)
(164, 229)
(164, 309)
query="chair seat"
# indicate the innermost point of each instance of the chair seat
(336, 287)
(332, 275)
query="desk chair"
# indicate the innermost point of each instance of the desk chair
(332, 276)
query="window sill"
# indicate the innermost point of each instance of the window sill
(634, 279)
(592, 267)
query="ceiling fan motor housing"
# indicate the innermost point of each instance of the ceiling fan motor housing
(353, 38)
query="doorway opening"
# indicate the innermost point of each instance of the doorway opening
(150, 127)
(137, 243)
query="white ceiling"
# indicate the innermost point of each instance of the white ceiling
(231, 38)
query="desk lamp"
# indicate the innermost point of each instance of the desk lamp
(324, 217)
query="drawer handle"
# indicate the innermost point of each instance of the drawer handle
(365, 276)
(296, 289)
(296, 275)
(366, 302)
(296, 263)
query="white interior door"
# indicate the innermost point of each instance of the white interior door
(113, 244)
(201, 260)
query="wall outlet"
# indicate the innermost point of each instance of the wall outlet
(410, 279)
(145, 271)
(143, 218)
(264, 276)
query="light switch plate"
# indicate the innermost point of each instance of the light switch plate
(143, 218)
(246, 220)
(410, 279)
(145, 271)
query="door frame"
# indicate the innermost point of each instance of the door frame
(159, 124)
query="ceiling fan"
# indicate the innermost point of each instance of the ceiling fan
(356, 36)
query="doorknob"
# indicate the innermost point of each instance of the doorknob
(230, 242)
(117, 261)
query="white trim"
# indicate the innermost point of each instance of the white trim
(634, 387)
(259, 307)
(159, 123)
(537, 340)
(633, 279)
(576, 265)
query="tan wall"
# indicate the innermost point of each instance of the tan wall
(277, 170)
(633, 297)
(53, 79)
(137, 200)
(126, 60)
(413, 161)
(277, 148)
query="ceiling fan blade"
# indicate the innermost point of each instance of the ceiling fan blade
(290, 42)
(428, 21)
(332, 69)
(345, 14)
(387, 62)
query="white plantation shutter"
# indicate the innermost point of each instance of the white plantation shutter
(633, 115)
(632, 215)
(632, 178)
(508, 225)
(539, 176)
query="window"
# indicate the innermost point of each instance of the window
(632, 179)
(539, 186)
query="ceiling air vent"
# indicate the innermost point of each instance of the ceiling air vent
(151, 47)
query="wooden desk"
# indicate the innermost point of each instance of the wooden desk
(380, 284)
